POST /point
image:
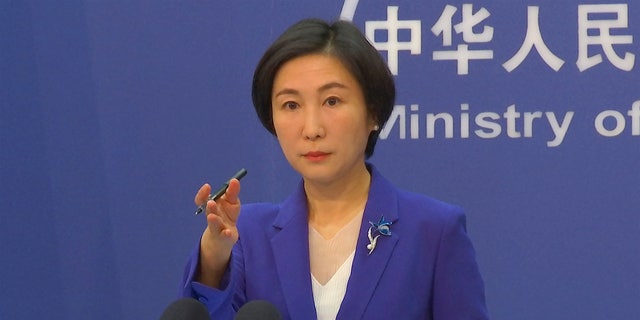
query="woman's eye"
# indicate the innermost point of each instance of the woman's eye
(333, 101)
(290, 105)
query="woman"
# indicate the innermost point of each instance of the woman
(346, 244)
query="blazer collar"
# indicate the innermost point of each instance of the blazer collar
(367, 269)
(291, 250)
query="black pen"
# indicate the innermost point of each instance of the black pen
(216, 195)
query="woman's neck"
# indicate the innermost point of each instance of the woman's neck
(331, 206)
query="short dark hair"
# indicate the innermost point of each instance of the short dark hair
(342, 40)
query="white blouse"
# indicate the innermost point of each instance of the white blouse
(328, 297)
(331, 261)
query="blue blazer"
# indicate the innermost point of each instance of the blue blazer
(425, 269)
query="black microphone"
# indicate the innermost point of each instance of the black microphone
(185, 309)
(258, 310)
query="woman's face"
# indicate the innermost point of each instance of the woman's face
(320, 118)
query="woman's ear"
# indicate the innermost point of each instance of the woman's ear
(373, 122)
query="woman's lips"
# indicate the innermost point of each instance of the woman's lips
(316, 155)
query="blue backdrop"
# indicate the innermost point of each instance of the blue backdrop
(113, 113)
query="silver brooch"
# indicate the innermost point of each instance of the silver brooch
(382, 228)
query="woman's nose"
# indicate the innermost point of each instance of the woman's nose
(313, 124)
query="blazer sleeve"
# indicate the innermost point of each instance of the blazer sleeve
(221, 303)
(458, 285)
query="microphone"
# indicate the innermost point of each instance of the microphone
(185, 309)
(258, 310)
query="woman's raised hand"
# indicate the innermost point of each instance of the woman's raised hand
(221, 232)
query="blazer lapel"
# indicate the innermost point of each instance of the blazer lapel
(291, 251)
(367, 268)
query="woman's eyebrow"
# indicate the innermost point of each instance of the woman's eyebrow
(332, 85)
(286, 91)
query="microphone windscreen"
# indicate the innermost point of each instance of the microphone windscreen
(185, 309)
(258, 309)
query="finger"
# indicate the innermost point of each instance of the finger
(211, 207)
(215, 224)
(203, 194)
(233, 190)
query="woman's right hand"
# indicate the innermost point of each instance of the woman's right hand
(221, 232)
